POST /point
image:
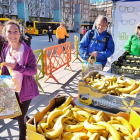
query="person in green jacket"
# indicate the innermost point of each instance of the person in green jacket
(133, 44)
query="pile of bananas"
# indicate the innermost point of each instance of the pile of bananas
(113, 85)
(77, 123)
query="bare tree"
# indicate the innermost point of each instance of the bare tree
(35, 7)
(49, 8)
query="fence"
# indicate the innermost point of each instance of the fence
(56, 57)
(76, 45)
(40, 67)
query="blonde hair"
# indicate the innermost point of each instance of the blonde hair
(137, 28)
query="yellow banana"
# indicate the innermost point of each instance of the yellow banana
(54, 114)
(111, 129)
(80, 136)
(136, 133)
(51, 124)
(102, 138)
(72, 128)
(104, 134)
(96, 85)
(121, 128)
(113, 122)
(39, 130)
(68, 107)
(67, 135)
(76, 109)
(60, 119)
(100, 113)
(89, 133)
(135, 91)
(124, 122)
(93, 128)
(113, 78)
(102, 86)
(66, 103)
(44, 125)
(78, 117)
(127, 138)
(128, 89)
(97, 118)
(120, 80)
(94, 136)
(84, 113)
(86, 109)
(70, 122)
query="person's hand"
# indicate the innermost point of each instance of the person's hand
(93, 54)
(11, 65)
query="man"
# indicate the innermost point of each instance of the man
(50, 32)
(61, 33)
(99, 46)
(27, 38)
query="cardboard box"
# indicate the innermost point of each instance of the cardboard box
(114, 104)
(32, 134)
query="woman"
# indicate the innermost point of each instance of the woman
(21, 59)
(133, 44)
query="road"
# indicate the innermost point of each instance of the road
(41, 42)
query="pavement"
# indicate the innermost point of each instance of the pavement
(68, 86)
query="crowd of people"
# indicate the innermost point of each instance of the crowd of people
(16, 52)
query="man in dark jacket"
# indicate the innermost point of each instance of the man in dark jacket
(27, 38)
(50, 32)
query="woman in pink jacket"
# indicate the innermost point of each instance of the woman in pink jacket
(21, 59)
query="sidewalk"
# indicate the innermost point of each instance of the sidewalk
(68, 86)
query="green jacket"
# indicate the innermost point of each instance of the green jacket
(133, 45)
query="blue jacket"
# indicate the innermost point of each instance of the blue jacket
(102, 53)
(29, 88)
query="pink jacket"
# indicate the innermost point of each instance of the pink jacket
(29, 88)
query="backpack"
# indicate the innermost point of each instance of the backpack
(91, 35)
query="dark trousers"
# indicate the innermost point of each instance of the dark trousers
(60, 41)
(22, 119)
(50, 37)
(81, 36)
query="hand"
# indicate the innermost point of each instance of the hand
(11, 65)
(93, 54)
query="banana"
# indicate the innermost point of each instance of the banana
(121, 128)
(124, 122)
(67, 135)
(113, 122)
(68, 107)
(86, 109)
(89, 133)
(100, 113)
(93, 128)
(120, 80)
(127, 138)
(101, 87)
(39, 130)
(72, 128)
(70, 122)
(135, 91)
(54, 114)
(128, 89)
(76, 109)
(104, 90)
(111, 129)
(94, 136)
(136, 133)
(60, 119)
(104, 134)
(102, 138)
(113, 78)
(84, 113)
(98, 118)
(66, 103)
(96, 85)
(80, 136)
(78, 117)
(51, 124)
(44, 125)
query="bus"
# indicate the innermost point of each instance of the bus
(40, 28)
(2, 20)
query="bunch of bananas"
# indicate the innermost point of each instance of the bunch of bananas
(113, 85)
(77, 123)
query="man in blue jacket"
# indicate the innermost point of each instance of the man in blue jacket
(99, 45)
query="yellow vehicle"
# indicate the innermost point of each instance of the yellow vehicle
(36, 27)
(54, 26)
(2, 20)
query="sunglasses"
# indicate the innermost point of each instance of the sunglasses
(138, 27)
